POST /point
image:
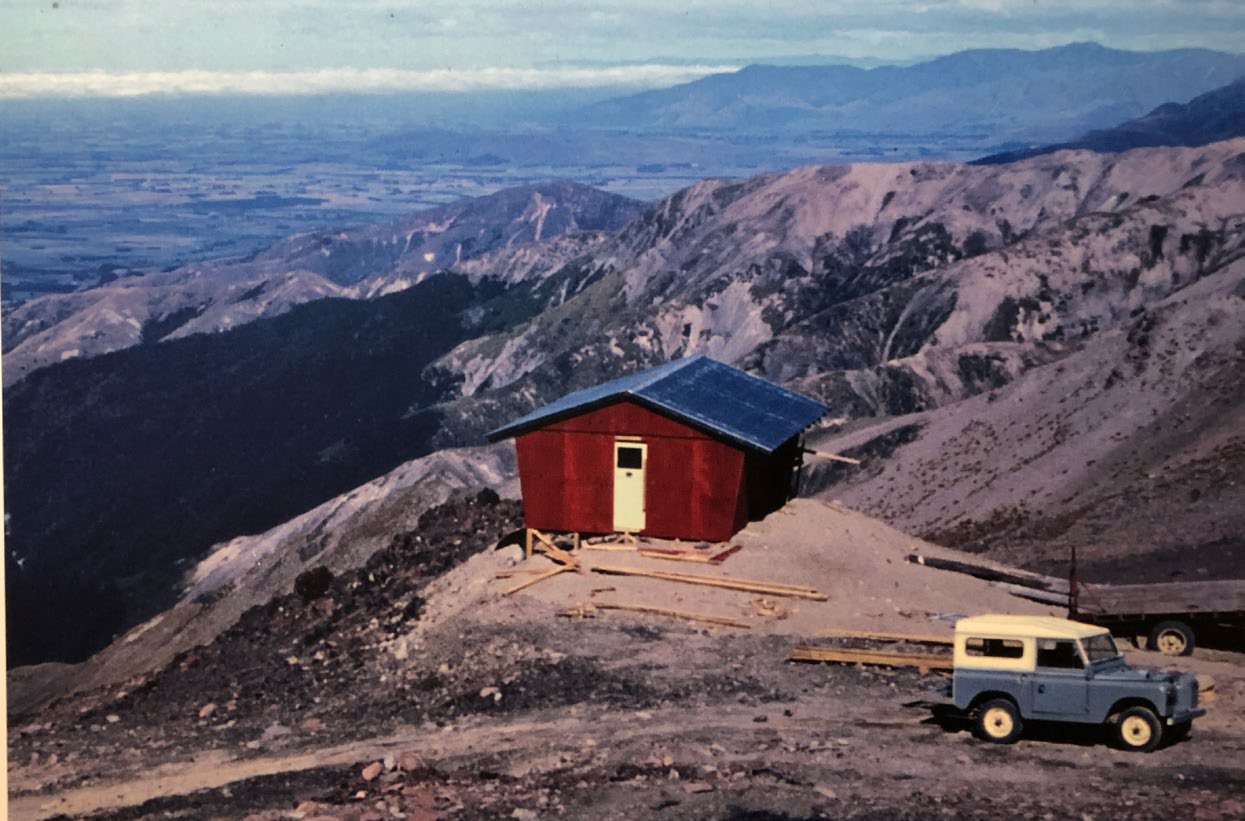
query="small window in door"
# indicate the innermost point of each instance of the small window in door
(631, 458)
(1060, 655)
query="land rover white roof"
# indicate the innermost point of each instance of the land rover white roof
(1025, 626)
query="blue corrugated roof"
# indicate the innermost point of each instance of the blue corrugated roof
(697, 390)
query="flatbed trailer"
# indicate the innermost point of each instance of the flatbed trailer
(1169, 615)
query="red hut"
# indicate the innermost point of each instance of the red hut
(692, 449)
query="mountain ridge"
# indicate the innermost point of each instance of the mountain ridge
(1063, 89)
(1217, 115)
(354, 263)
(880, 289)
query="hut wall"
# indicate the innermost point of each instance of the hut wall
(694, 483)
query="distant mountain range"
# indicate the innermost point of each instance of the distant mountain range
(1000, 94)
(1216, 115)
(884, 289)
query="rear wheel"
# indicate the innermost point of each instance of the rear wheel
(1138, 730)
(998, 721)
(1171, 638)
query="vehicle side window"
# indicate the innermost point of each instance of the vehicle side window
(1061, 655)
(994, 648)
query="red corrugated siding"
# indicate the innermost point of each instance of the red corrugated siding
(693, 483)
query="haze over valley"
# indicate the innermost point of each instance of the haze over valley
(97, 189)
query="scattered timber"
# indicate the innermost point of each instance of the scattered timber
(838, 457)
(687, 556)
(676, 556)
(1021, 578)
(1032, 594)
(587, 609)
(545, 545)
(517, 571)
(910, 638)
(534, 539)
(559, 555)
(747, 585)
(548, 574)
(881, 658)
(615, 546)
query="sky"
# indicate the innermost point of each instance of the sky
(118, 47)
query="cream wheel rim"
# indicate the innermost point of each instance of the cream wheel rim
(1136, 731)
(998, 722)
(1171, 642)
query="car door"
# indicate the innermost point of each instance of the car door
(1060, 687)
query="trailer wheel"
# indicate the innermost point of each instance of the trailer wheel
(1171, 638)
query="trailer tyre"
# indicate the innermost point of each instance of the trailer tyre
(998, 721)
(1171, 638)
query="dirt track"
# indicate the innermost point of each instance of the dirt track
(788, 740)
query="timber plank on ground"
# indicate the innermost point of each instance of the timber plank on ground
(1009, 575)
(707, 618)
(875, 635)
(746, 585)
(882, 658)
(548, 574)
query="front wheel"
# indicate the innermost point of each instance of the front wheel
(1138, 730)
(1171, 638)
(998, 721)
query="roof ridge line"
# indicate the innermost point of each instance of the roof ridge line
(681, 363)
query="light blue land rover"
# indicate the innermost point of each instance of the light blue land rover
(1009, 669)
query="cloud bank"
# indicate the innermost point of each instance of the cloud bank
(358, 80)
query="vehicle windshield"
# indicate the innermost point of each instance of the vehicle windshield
(1100, 648)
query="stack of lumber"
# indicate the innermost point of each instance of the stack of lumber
(889, 655)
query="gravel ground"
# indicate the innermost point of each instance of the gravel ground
(411, 689)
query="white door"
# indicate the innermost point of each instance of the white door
(630, 459)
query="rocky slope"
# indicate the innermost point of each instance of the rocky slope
(1032, 356)
(340, 535)
(883, 289)
(1129, 449)
(354, 263)
(124, 467)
